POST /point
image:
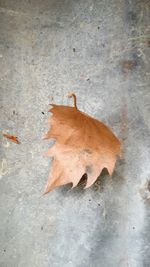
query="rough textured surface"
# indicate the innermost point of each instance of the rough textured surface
(99, 50)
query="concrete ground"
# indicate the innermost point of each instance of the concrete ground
(100, 51)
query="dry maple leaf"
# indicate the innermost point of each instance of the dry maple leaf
(83, 145)
(12, 138)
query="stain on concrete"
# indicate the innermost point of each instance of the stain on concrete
(128, 65)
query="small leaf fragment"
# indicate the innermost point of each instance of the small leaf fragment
(12, 138)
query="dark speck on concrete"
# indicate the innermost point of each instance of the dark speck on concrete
(45, 26)
(148, 185)
(74, 50)
(42, 112)
(131, 16)
(148, 43)
(42, 228)
(14, 112)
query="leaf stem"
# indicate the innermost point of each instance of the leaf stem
(74, 98)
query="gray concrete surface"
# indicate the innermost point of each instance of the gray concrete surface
(100, 51)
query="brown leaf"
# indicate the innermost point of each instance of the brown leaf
(12, 138)
(83, 145)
